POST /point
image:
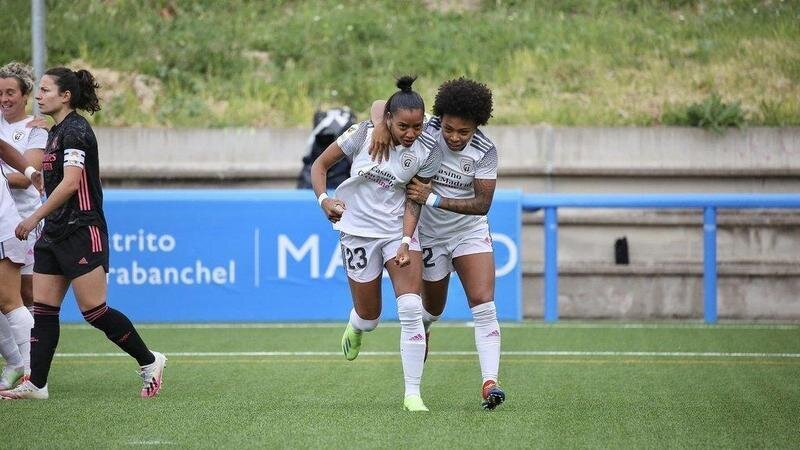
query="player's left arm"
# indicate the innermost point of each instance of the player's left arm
(422, 193)
(410, 221)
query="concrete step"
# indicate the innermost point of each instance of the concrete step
(666, 236)
(666, 291)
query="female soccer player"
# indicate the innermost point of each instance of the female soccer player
(12, 257)
(16, 83)
(73, 248)
(453, 229)
(378, 226)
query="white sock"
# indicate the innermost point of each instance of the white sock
(487, 339)
(360, 324)
(412, 340)
(8, 346)
(21, 322)
(428, 319)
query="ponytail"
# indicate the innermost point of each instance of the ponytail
(81, 84)
(405, 98)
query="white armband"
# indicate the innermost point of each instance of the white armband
(406, 240)
(74, 157)
(322, 197)
(29, 171)
(433, 200)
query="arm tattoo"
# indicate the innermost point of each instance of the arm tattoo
(411, 217)
(478, 205)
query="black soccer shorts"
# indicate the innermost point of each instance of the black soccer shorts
(76, 255)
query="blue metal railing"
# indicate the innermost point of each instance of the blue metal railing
(708, 202)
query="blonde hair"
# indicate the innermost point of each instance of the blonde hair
(22, 72)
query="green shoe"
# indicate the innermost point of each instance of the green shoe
(351, 342)
(414, 403)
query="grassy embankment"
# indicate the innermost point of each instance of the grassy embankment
(602, 62)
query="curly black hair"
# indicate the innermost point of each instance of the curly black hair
(464, 98)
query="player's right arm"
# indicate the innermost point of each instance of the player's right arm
(63, 192)
(332, 207)
(11, 156)
(34, 157)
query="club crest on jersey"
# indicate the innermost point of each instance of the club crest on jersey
(350, 131)
(408, 159)
(18, 134)
(466, 165)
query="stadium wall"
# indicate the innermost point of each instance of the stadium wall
(757, 253)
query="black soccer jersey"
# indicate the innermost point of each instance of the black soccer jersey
(72, 143)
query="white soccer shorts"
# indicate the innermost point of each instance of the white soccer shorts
(14, 249)
(364, 257)
(437, 259)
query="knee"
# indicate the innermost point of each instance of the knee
(484, 312)
(409, 305)
(362, 324)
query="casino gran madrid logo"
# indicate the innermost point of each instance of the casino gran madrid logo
(407, 159)
(466, 165)
(18, 134)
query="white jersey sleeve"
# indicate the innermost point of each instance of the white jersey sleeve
(37, 138)
(430, 166)
(352, 140)
(23, 138)
(486, 167)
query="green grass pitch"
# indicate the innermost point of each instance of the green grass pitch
(595, 384)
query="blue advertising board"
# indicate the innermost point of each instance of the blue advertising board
(256, 255)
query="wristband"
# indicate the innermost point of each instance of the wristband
(322, 197)
(29, 172)
(433, 200)
(406, 240)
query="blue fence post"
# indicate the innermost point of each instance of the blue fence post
(710, 264)
(550, 264)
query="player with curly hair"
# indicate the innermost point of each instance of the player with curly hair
(453, 228)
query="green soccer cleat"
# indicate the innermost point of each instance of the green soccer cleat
(351, 342)
(414, 403)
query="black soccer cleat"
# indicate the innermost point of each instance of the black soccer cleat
(493, 396)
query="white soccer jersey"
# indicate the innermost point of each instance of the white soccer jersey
(23, 138)
(478, 159)
(9, 217)
(375, 194)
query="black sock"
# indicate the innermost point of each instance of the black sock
(44, 340)
(119, 330)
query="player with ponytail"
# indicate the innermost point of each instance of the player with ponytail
(73, 249)
(378, 227)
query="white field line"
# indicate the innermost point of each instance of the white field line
(563, 325)
(467, 353)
